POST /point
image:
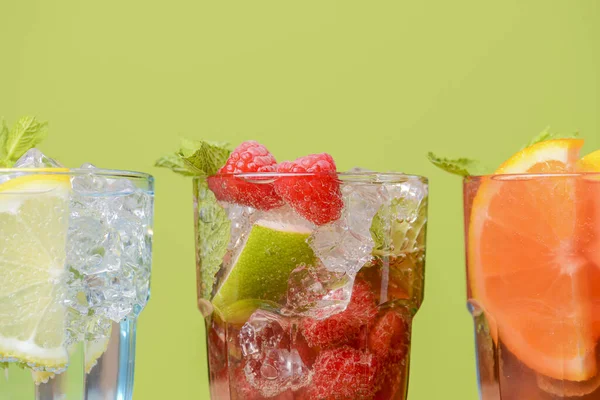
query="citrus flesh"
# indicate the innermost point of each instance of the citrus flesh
(529, 260)
(33, 230)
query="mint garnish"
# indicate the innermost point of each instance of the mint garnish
(470, 167)
(213, 228)
(15, 142)
(174, 163)
(547, 135)
(203, 158)
(213, 231)
(196, 158)
(458, 166)
(398, 228)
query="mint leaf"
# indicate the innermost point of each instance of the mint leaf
(3, 138)
(546, 135)
(25, 134)
(213, 230)
(398, 228)
(202, 157)
(458, 166)
(196, 157)
(175, 164)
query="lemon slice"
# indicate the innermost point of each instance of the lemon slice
(34, 218)
(94, 350)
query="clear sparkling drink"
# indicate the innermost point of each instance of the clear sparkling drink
(75, 260)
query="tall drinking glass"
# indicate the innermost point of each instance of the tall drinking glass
(311, 309)
(533, 269)
(75, 259)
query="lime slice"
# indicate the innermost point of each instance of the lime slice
(261, 271)
(33, 229)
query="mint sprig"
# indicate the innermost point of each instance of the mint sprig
(458, 166)
(27, 133)
(202, 159)
(547, 135)
(196, 158)
(213, 231)
(470, 167)
(398, 228)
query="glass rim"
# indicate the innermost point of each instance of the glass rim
(108, 173)
(359, 176)
(530, 176)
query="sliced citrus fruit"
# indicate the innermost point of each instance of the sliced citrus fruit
(261, 270)
(525, 266)
(33, 229)
(590, 163)
(590, 194)
(94, 349)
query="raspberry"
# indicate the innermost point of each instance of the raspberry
(317, 197)
(344, 327)
(391, 386)
(344, 373)
(388, 338)
(248, 157)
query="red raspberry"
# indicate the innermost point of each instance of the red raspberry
(344, 327)
(392, 385)
(248, 157)
(344, 373)
(317, 197)
(388, 339)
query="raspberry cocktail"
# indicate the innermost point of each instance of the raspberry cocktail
(533, 269)
(308, 278)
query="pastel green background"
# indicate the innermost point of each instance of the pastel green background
(376, 84)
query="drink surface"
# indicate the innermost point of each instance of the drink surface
(306, 309)
(74, 271)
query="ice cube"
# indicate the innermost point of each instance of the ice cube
(108, 247)
(287, 216)
(316, 292)
(242, 218)
(346, 245)
(34, 158)
(264, 330)
(280, 370)
(271, 363)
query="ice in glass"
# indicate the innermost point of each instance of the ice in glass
(75, 259)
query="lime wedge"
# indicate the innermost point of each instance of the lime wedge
(34, 218)
(262, 268)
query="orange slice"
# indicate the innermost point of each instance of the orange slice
(526, 268)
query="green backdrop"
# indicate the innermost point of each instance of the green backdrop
(376, 84)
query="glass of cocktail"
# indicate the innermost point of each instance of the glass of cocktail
(308, 279)
(532, 233)
(75, 260)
